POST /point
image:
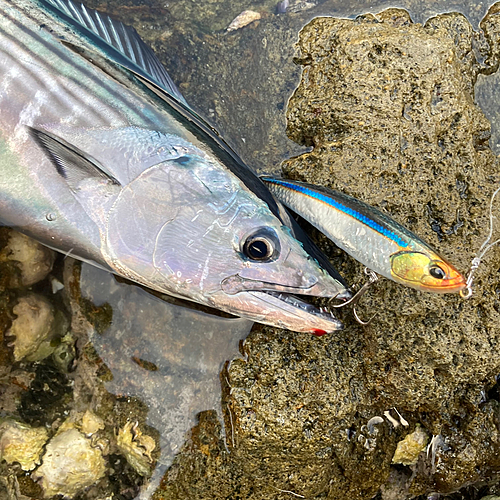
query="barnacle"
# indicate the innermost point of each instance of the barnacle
(70, 465)
(32, 258)
(32, 328)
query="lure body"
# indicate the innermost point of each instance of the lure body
(370, 236)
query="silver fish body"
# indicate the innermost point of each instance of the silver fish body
(100, 158)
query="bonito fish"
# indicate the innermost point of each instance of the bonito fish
(101, 158)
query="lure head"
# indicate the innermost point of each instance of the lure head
(427, 272)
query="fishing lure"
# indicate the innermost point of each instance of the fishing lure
(370, 236)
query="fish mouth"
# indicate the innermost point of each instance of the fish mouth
(278, 309)
(237, 284)
(450, 286)
(300, 315)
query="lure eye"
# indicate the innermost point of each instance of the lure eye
(437, 272)
(261, 246)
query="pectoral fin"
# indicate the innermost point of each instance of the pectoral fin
(70, 162)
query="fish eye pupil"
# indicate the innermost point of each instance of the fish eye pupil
(437, 272)
(258, 249)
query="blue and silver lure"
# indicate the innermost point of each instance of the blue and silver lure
(370, 236)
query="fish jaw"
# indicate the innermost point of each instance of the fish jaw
(279, 310)
(428, 273)
(314, 285)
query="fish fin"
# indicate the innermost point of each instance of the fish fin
(70, 162)
(125, 40)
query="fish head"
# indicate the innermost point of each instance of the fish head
(426, 271)
(265, 271)
(267, 257)
(187, 228)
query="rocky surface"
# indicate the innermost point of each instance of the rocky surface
(388, 108)
(407, 407)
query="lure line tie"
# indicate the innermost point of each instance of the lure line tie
(476, 261)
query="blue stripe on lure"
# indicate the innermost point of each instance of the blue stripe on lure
(339, 206)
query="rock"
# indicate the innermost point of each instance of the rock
(21, 443)
(70, 465)
(32, 258)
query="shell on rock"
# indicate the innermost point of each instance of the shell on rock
(33, 259)
(410, 447)
(91, 423)
(70, 465)
(137, 448)
(32, 328)
(244, 19)
(21, 443)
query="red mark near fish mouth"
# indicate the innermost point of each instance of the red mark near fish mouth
(317, 332)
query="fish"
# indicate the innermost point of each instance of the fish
(102, 159)
(370, 236)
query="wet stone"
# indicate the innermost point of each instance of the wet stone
(387, 106)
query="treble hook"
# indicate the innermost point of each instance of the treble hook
(372, 278)
(476, 261)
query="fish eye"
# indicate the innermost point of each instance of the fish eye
(436, 272)
(262, 245)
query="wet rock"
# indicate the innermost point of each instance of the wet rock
(388, 108)
(20, 443)
(48, 397)
(70, 465)
(33, 328)
(32, 258)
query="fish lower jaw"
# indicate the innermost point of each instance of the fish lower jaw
(290, 312)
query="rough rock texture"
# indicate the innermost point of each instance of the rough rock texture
(388, 107)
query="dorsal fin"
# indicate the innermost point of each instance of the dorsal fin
(71, 163)
(122, 38)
